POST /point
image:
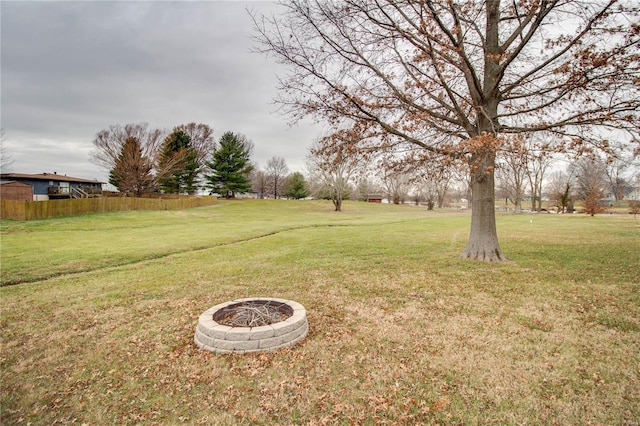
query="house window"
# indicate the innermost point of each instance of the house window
(64, 187)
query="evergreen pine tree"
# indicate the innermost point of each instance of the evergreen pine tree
(230, 167)
(297, 187)
(132, 170)
(178, 164)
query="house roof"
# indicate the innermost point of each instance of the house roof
(47, 176)
(12, 182)
(630, 189)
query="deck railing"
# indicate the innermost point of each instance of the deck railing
(74, 192)
(58, 190)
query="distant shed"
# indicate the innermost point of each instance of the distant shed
(14, 190)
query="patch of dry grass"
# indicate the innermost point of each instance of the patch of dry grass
(401, 331)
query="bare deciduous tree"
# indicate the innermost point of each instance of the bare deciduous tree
(619, 169)
(512, 171)
(538, 160)
(590, 183)
(334, 163)
(425, 191)
(431, 175)
(396, 182)
(5, 158)
(561, 190)
(201, 139)
(276, 171)
(259, 181)
(109, 142)
(452, 77)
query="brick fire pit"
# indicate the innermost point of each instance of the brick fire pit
(289, 326)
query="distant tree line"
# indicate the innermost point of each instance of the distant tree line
(526, 170)
(142, 160)
(187, 160)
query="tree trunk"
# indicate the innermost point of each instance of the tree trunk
(483, 238)
(517, 206)
(441, 196)
(337, 201)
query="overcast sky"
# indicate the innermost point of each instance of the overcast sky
(73, 68)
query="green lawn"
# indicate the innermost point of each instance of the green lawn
(98, 315)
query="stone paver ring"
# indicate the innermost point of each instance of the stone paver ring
(251, 325)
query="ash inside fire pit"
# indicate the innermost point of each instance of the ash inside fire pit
(254, 313)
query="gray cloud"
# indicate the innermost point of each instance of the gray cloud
(71, 69)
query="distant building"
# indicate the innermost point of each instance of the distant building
(633, 193)
(628, 193)
(374, 198)
(14, 190)
(51, 186)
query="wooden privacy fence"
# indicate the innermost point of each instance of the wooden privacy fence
(33, 210)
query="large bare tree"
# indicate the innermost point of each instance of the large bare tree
(109, 143)
(455, 77)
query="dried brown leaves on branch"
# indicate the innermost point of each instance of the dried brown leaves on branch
(452, 77)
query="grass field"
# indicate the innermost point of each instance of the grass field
(99, 311)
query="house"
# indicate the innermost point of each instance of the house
(632, 193)
(51, 186)
(628, 193)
